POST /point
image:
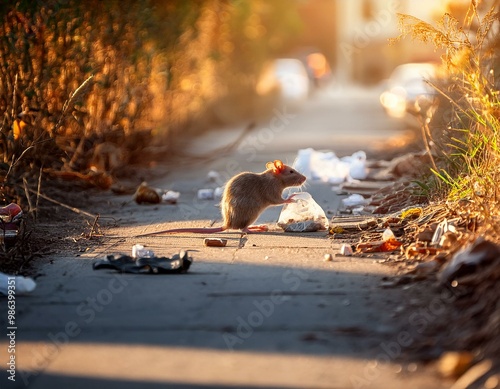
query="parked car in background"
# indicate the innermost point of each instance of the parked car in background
(287, 75)
(407, 88)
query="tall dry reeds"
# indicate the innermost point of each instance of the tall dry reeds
(74, 75)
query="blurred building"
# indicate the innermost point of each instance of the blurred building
(364, 54)
(354, 35)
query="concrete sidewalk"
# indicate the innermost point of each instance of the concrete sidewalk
(266, 311)
(270, 314)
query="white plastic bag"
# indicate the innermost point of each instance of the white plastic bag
(303, 215)
(325, 166)
(17, 285)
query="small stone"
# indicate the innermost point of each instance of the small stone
(328, 258)
(215, 242)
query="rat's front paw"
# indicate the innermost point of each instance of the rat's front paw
(291, 199)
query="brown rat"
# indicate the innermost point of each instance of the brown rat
(247, 195)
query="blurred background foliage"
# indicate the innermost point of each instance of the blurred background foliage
(133, 73)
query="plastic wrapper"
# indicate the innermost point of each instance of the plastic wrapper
(179, 263)
(303, 215)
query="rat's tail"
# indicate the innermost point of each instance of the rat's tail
(192, 230)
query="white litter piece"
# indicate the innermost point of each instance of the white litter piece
(388, 235)
(170, 196)
(218, 192)
(354, 200)
(358, 169)
(17, 285)
(139, 251)
(205, 194)
(325, 166)
(346, 250)
(213, 176)
(442, 228)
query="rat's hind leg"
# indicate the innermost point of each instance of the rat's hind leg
(252, 229)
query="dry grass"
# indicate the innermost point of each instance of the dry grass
(465, 177)
(133, 74)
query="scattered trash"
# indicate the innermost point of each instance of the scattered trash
(215, 242)
(327, 167)
(441, 229)
(328, 258)
(205, 194)
(425, 235)
(138, 251)
(351, 224)
(411, 213)
(218, 192)
(346, 250)
(354, 200)
(358, 169)
(19, 284)
(454, 363)
(388, 243)
(10, 217)
(421, 249)
(170, 197)
(388, 235)
(11, 213)
(303, 215)
(148, 195)
(213, 176)
(179, 263)
(467, 260)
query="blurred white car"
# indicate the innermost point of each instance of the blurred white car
(289, 76)
(407, 88)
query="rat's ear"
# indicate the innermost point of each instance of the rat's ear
(277, 166)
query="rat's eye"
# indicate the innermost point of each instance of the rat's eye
(291, 171)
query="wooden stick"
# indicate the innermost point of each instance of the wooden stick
(26, 191)
(76, 210)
